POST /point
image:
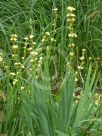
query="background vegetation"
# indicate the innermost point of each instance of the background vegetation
(47, 86)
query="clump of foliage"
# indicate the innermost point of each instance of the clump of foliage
(50, 67)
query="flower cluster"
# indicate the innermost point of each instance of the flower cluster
(1, 58)
(72, 35)
(18, 60)
(55, 16)
(80, 66)
(13, 38)
(82, 60)
(36, 62)
(44, 39)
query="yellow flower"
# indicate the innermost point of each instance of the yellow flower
(17, 64)
(14, 56)
(71, 45)
(30, 49)
(1, 59)
(71, 9)
(14, 47)
(22, 58)
(80, 67)
(53, 40)
(26, 38)
(39, 49)
(55, 9)
(36, 59)
(90, 58)
(12, 74)
(33, 53)
(15, 81)
(71, 15)
(32, 60)
(39, 65)
(34, 43)
(43, 40)
(22, 66)
(31, 36)
(30, 69)
(13, 37)
(72, 20)
(22, 87)
(1, 53)
(18, 73)
(76, 79)
(6, 67)
(40, 58)
(83, 50)
(82, 58)
(71, 54)
(47, 33)
(72, 35)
